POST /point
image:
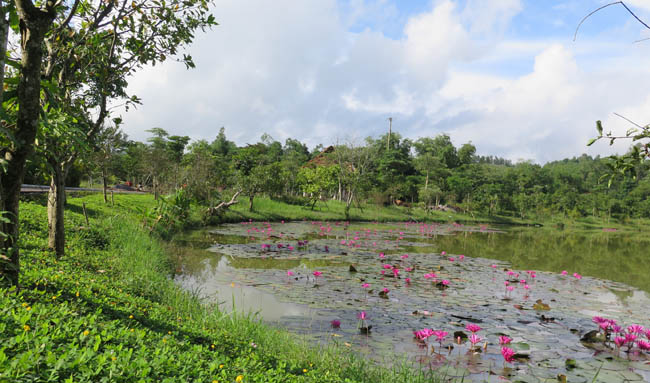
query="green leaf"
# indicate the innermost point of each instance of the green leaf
(591, 142)
(599, 127)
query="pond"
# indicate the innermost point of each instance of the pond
(539, 287)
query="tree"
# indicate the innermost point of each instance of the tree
(354, 163)
(317, 181)
(466, 154)
(92, 48)
(34, 22)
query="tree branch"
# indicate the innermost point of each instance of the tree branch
(575, 35)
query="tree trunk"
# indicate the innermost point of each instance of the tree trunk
(104, 184)
(250, 202)
(4, 37)
(55, 212)
(426, 182)
(34, 23)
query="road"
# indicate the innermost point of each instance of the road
(26, 188)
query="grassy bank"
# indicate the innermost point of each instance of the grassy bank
(108, 312)
(266, 209)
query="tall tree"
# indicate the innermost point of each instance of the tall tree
(35, 20)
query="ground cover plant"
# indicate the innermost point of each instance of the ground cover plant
(108, 311)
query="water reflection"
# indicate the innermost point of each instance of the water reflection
(228, 264)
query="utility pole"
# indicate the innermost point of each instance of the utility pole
(390, 129)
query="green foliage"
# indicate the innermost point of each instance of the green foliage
(318, 182)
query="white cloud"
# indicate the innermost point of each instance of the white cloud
(293, 69)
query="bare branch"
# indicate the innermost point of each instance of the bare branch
(628, 120)
(575, 35)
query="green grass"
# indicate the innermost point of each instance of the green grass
(274, 210)
(109, 312)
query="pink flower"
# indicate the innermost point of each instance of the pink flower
(564, 272)
(597, 319)
(506, 283)
(290, 247)
(523, 281)
(619, 341)
(577, 276)
(343, 242)
(494, 266)
(409, 269)
(461, 257)
(503, 340)
(473, 328)
(430, 276)
(474, 339)
(381, 255)
(451, 259)
(336, 323)
(365, 285)
(404, 256)
(526, 287)
(445, 282)
(643, 345)
(508, 354)
(362, 315)
(440, 335)
(387, 267)
(423, 334)
(443, 253)
(635, 329)
(385, 290)
(408, 280)
(290, 273)
(317, 273)
(630, 338)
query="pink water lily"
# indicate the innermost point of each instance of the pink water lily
(508, 354)
(635, 329)
(443, 253)
(317, 273)
(336, 323)
(408, 280)
(643, 345)
(619, 341)
(423, 334)
(440, 335)
(387, 266)
(564, 272)
(504, 339)
(362, 315)
(474, 328)
(474, 339)
(290, 273)
(445, 282)
(365, 285)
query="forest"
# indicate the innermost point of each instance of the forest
(429, 172)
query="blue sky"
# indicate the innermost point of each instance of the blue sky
(503, 74)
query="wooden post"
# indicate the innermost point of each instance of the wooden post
(83, 204)
(112, 200)
(390, 129)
